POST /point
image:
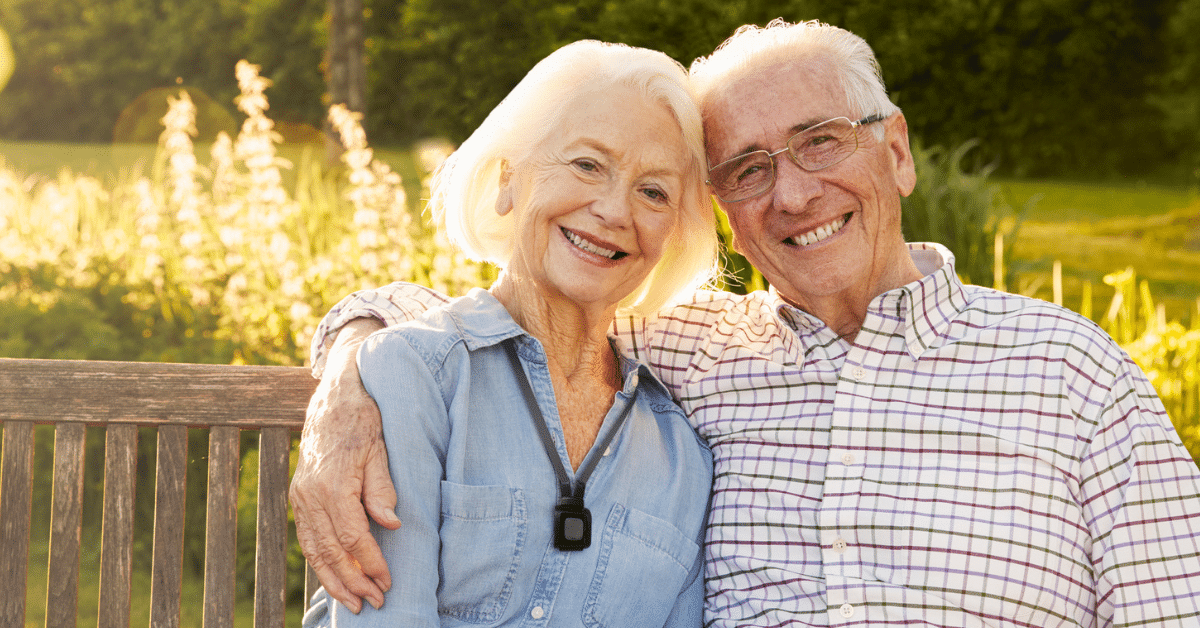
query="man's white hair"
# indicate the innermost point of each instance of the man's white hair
(752, 47)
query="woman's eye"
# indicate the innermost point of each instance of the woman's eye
(656, 195)
(586, 165)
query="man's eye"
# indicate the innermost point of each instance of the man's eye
(748, 171)
(586, 165)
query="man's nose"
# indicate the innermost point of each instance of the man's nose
(795, 187)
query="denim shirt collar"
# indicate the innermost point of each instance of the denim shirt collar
(483, 321)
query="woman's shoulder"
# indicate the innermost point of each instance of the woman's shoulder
(670, 418)
(437, 331)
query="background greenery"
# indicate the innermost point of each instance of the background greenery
(1082, 88)
(228, 250)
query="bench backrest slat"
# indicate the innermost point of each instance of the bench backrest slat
(66, 519)
(270, 565)
(121, 396)
(170, 487)
(220, 535)
(16, 506)
(116, 543)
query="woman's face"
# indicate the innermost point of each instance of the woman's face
(597, 202)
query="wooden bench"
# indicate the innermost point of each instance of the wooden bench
(121, 397)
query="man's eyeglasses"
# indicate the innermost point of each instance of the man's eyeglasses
(815, 148)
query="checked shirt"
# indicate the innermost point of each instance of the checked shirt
(970, 458)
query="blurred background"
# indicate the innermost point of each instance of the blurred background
(176, 183)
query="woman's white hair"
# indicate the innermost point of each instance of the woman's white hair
(752, 47)
(465, 188)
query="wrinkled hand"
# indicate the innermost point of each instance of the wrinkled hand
(342, 469)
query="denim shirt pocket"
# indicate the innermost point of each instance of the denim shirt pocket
(483, 533)
(642, 566)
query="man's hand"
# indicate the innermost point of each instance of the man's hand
(343, 468)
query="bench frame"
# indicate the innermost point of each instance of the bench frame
(121, 397)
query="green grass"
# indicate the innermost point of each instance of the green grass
(1095, 229)
(1064, 201)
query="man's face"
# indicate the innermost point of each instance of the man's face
(815, 234)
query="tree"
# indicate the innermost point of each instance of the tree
(346, 74)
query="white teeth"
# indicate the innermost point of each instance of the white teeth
(822, 232)
(588, 246)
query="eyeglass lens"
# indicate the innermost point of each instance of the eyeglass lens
(815, 148)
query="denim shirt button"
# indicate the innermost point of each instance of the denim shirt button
(537, 612)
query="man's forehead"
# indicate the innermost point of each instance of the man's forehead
(764, 105)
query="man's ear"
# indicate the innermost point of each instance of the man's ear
(900, 154)
(504, 200)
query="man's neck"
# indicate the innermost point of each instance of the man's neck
(845, 310)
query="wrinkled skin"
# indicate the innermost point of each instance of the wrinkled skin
(341, 477)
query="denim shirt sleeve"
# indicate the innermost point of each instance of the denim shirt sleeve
(416, 429)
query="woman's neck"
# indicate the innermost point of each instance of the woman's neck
(583, 367)
(574, 336)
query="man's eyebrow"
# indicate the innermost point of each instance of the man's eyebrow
(805, 125)
(795, 128)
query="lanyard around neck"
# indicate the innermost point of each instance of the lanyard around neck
(570, 511)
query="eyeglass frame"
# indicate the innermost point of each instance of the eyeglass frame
(787, 148)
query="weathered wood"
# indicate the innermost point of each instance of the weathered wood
(116, 545)
(66, 518)
(220, 534)
(270, 570)
(172, 397)
(16, 495)
(198, 395)
(166, 585)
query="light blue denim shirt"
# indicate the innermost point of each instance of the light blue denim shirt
(477, 489)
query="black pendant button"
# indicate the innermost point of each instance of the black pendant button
(572, 525)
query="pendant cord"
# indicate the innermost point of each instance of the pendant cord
(564, 481)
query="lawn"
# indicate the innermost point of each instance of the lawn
(1062, 201)
(1095, 229)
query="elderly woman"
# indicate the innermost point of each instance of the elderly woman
(541, 476)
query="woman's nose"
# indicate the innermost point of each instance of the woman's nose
(614, 209)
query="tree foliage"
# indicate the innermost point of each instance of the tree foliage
(1048, 87)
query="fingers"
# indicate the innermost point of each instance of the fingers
(325, 572)
(379, 499)
(325, 544)
(379, 495)
(368, 577)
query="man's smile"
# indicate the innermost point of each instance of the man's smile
(820, 233)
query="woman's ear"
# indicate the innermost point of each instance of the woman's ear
(504, 200)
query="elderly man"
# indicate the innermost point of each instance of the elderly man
(891, 447)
